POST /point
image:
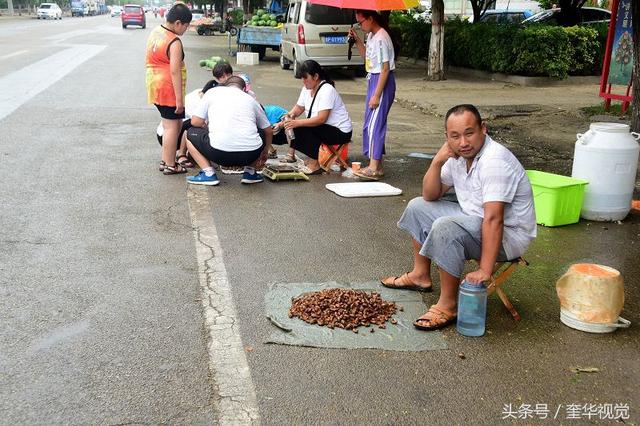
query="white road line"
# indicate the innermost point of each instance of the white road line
(22, 85)
(237, 403)
(101, 29)
(69, 34)
(11, 55)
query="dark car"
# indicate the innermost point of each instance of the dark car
(505, 16)
(133, 14)
(586, 15)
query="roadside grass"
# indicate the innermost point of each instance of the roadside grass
(615, 110)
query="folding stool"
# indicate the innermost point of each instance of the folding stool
(335, 154)
(502, 271)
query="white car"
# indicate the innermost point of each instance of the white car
(116, 11)
(49, 11)
(197, 14)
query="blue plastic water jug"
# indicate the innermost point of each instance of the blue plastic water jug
(472, 309)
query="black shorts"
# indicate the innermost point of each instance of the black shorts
(199, 138)
(169, 112)
(186, 125)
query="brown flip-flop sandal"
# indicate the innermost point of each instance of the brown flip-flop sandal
(392, 282)
(438, 317)
(368, 174)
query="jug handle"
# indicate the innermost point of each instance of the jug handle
(579, 138)
(636, 136)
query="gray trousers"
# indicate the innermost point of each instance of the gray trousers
(448, 236)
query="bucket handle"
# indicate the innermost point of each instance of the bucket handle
(621, 323)
(636, 136)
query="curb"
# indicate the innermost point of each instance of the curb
(526, 81)
(520, 80)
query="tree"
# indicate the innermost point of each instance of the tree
(568, 15)
(635, 102)
(479, 7)
(435, 68)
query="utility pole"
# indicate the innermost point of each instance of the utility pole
(10, 7)
(635, 115)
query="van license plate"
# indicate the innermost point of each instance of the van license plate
(335, 39)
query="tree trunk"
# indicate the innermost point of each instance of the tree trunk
(568, 15)
(435, 68)
(635, 102)
(475, 7)
(479, 7)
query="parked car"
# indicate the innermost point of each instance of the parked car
(587, 15)
(49, 11)
(318, 32)
(133, 14)
(196, 14)
(425, 16)
(116, 11)
(505, 16)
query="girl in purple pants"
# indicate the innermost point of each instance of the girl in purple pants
(381, 88)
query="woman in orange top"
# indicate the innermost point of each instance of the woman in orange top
(166, 81)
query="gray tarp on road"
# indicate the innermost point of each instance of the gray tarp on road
(402, 336)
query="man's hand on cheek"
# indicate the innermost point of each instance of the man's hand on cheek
(444, 153)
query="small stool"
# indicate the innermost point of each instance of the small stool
(502, 271)
(335, 153)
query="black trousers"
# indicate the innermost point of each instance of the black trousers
(309, 139)
(199, 138)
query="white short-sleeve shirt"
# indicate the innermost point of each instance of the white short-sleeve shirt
(234, 119)
(495, 175)
(327, 98)
(379, 49)
(191, 100)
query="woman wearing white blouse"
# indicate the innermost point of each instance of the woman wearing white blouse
(326, 119)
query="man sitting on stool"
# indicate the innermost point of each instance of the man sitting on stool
(494, 220)
(233, 137)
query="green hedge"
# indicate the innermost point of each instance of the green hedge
(415, 35)
(534, 50)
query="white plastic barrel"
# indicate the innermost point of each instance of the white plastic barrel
(607, 157)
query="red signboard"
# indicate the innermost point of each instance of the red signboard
(619, 47)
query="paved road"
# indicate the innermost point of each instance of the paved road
(101, 320)
(101, 275)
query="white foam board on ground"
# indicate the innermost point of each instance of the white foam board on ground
(247, 58)
(363, 189)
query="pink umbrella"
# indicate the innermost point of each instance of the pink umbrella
(369, 4)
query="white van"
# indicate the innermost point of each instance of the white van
(318, 32)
